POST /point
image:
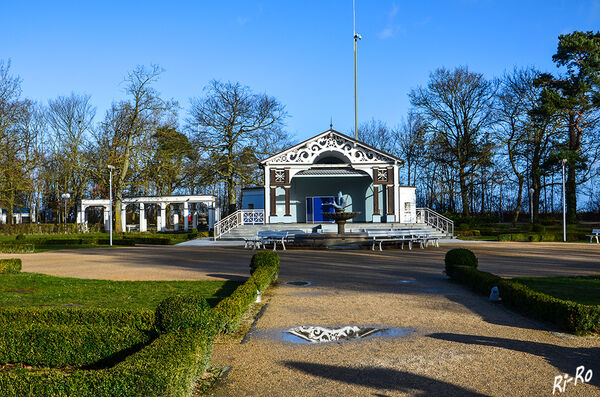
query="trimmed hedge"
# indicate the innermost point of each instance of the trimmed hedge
(228, 313)
(68, 345)
(169, 366)
(74, 316)
(15, 248)
(12, 265)
(570, 316)
(460, 257)
(182, 311)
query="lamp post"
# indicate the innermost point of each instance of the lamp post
(65, 197)
(564, 199)
(531, 190)
(356, 38)
(110, 211)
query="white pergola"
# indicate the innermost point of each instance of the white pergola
(162, 202)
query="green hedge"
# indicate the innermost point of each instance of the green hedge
(570, 316)
(74, 316)
(68, 345)
(15, 248)
(571, 236)
(460, 257)
(182, 311)
(118, 241)
(169, 366)
(228, 312)
(12, 265)
(45, 228)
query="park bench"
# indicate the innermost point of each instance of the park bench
(265, 237)
(595, 234)
(409, 236)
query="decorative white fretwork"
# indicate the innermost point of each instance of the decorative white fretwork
(280, 176)
(382, 175)
(331, 141)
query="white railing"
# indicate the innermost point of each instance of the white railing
(435, 220)
(238, 218)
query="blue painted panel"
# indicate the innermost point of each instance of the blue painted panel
(319, 208)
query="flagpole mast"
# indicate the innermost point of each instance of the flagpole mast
(356, 38)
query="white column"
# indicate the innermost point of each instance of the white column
(143, 221)
(79, 215)
(123, 217)
(162, 224)
(267, 194)
(186, 213)
(195, 220)
(107, 220)
(396, 194)
(175, 221)
(211, 217)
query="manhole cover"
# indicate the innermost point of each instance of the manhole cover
(299, 283)
(322, 334)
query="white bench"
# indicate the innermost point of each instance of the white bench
(595, 234)
(267, 237)
(409, 236)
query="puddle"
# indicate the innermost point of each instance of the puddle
(406, 281)
(318, 335)
(298, 283)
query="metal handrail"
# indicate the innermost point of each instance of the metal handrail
(238, 218)
(435, 220)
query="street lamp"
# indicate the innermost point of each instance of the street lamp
(564, 199)
(531, 190)
(65, 197)
(110, 211)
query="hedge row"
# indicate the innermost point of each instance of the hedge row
(228, 312)
(15, 248)
(570, 316)
(44, 228)
(12, 265)
(537, 237)
(74, 316)
(169, 366)
(68, 345)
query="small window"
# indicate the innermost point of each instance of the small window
(407, 206)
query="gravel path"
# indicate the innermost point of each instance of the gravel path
(457, 343)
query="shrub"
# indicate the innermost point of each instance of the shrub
(12, 265)
(504, 237)
(67, 345)
(16, 248)
(477, 280)
(535, 237)
(264, 258)
(539, 228)
(19, 237)
(182, 311)
(548, 237)
(460, 257)
(124, 242)
(75, 316)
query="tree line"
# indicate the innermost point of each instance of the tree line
(477, 145)
(470, 144)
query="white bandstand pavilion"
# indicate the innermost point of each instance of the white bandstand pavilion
(162, 202)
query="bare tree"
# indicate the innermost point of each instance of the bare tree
(411, 145)
(457, 108)
(233, 127)
(377, 134)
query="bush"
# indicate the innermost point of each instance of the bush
(121, 241)
(460, 257)
(477, 280)
(504, 237)
(548, 237)
(75, 316)
(182, 311)
(264, 258)
(12, 265)
(19, 237)
(67, 345)
(169, 367)
(539, 228)
(535, 237)
(15, 248)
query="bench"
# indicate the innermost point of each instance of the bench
(595, 234)
(267, 237)
(409, 236)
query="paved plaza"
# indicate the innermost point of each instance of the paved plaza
(455, 343)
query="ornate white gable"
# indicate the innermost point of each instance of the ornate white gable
(331, 141)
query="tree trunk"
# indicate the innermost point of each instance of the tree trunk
(231, 196)
(518, 204)
(464, 193)
(571, 193)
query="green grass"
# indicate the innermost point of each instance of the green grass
(32, 289)
(584, 290)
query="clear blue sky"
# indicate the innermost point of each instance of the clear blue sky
(300, 51)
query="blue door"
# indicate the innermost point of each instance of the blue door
(315, 208)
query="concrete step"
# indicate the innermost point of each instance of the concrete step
(250, 231)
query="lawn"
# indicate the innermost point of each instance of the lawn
(32, 289)
(584, 290)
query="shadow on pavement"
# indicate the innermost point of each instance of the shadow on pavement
(382, 379)
(564, 359)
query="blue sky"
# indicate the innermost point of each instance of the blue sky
(300, 52)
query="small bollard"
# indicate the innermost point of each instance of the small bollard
(258, 297)
(495, 295)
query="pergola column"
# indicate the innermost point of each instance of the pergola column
(211, 217)
(186, 213)
(175, 218)
(107, 220)
(195, 220)
(143, 221)
(287, 201)
(123, 217)
(161, 221)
